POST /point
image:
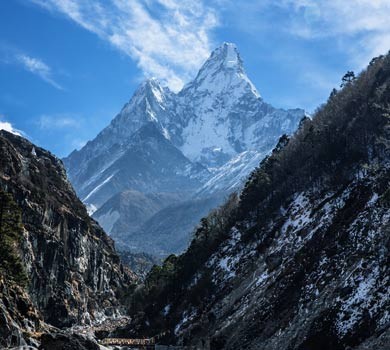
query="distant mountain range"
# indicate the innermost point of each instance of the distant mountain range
(170, 153)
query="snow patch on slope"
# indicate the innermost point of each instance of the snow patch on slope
(98, 187)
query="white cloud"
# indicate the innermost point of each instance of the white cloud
(7, 126)
(169, 39)
(58, 121)
(360, 28)
(38, 67)
(364, 22)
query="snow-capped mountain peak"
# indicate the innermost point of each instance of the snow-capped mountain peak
(222, 72)
(148, 104)
(232, 58)
(225, 57)
(194, 146)
(202, 140)
(149, 92)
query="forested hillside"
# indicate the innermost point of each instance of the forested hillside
(300, 259)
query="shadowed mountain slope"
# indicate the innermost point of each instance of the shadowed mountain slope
(301, 259)
(73, 272)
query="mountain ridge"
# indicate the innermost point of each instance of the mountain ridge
(218, 123)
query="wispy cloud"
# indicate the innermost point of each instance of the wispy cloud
(37, 67)
(12, 55)
(7, 126)
(360, 27)
(58, 121)
(314, 41)
(366, 22)
(169, 39)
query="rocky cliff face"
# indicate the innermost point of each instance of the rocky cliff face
(301, 260)
(75, 275)
(20, 321)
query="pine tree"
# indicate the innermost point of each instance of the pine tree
(11, 233)
(348, 78)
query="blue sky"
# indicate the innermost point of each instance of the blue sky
(68, 66)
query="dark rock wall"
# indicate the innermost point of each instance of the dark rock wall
(75, 273)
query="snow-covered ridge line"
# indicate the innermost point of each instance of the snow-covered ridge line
(202, 142)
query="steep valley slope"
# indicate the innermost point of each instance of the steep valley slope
(301, 259)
